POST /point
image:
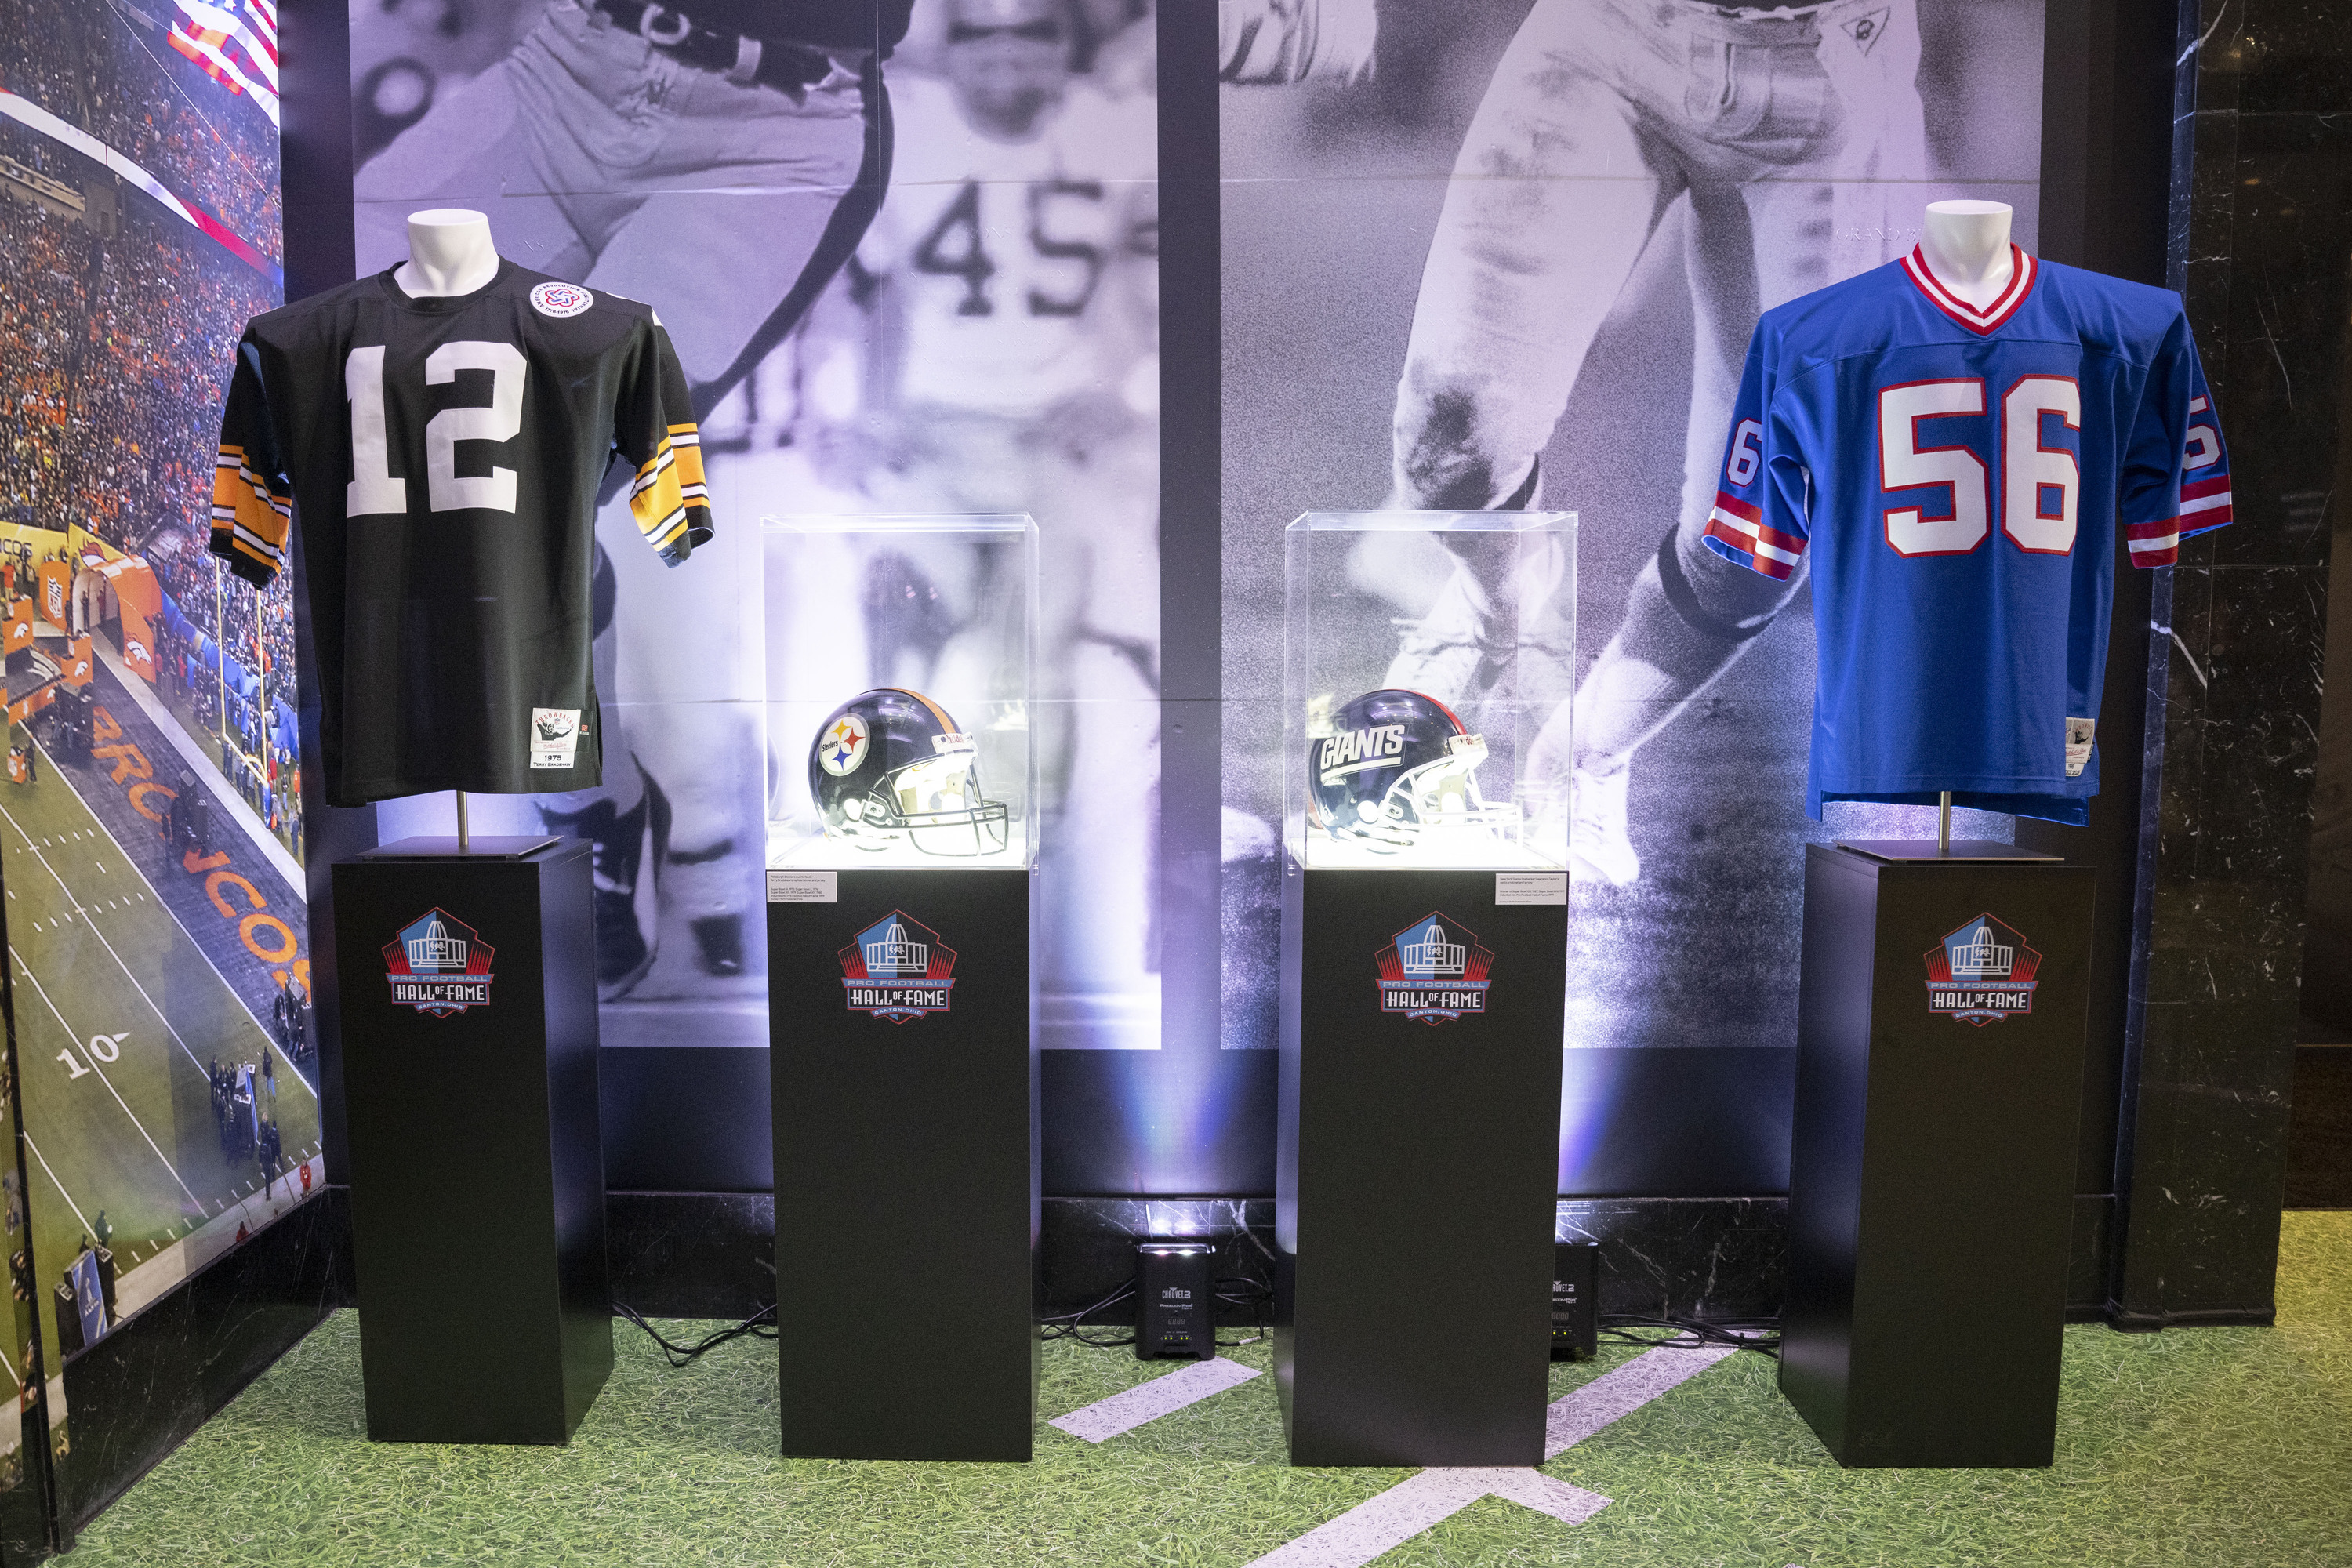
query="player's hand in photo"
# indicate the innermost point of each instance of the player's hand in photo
(1279, 42)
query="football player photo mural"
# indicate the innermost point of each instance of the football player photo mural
(1561, 224)
(906, 256)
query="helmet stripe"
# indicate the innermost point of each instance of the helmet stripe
(938, 712)
(1433, 702)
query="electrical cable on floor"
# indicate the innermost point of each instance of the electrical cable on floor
(1261, 1293)
(680, 1355)
(1761, 1335)
(1071, 1325)
(1068, 1325)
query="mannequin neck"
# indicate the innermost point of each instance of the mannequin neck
(449, 253)
(1966, 246)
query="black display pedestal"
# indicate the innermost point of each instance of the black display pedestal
(1417, 1163)
(1940, 1073)
(905, 1072)
(468, 1006)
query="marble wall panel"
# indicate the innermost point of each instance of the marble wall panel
(139, 1392)
(2262, 236)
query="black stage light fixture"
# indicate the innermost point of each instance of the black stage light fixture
(1176, 1317)
(1575, 1304)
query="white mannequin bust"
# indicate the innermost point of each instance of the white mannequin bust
(1966, 245)
(450, 253)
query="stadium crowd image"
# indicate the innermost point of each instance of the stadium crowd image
(1304, 783)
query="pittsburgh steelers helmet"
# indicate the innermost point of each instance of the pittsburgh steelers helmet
(890, 770)
(1395, 765)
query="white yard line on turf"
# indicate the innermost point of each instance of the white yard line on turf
(61, 1186)
(267, 1042)
(67, 889)
(194, 754)
(1415, 1504)
(1393, 1517)
(1106, 1418)
(26, 970)
(1618, 1393)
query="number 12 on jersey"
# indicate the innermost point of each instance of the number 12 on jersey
(2040, 484)
(374, 490)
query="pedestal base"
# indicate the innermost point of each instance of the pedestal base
(1417, 1166)
(468, 1008)
(1927, 851)
(1939, 1072)
(905, 1072)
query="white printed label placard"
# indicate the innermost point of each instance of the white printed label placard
(803, 887)
(555, 737)
(1531, 887)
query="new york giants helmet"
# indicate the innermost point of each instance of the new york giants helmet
(1395, 765)
(890, 770)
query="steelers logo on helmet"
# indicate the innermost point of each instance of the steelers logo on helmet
(1395, 767)
(890, 770)
(842, 745)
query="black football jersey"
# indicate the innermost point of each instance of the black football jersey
(444, 456)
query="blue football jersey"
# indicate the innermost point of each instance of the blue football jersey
(1956, 477)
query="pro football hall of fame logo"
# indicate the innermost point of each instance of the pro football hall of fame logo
(1982, 973)
(438, 965)
(1434, 971)
(898, 968)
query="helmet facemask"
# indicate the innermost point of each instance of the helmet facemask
(933, 803)
(1435, 797)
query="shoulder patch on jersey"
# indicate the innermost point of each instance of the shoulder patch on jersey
(561, 299)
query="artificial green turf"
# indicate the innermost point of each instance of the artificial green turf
(2211, 1447)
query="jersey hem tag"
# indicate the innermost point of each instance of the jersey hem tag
(555, 737)
(2078, 745)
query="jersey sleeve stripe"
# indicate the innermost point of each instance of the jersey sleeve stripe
(664, 462)
(686, 442)
(249, 518)
(2153, 544)
(666, 513)
(2205, 504)
(1735, 507)
(1749, 520)
(664, 534)
(671, 496)
(1752, 553)
(1753, 537)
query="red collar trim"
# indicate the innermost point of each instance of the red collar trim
(1981, 323)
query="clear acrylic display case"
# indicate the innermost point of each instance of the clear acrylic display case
(1428, 681)
(941, 609)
